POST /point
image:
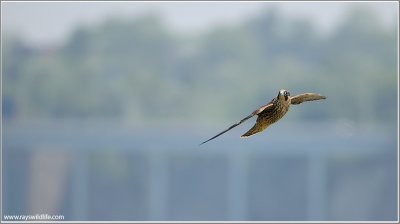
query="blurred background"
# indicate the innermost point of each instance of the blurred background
(104, 106)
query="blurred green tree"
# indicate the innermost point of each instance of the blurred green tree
(139, 70)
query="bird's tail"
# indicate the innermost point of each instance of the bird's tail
(254, 130)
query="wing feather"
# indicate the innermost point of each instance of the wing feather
(256, 112)
(306, 97)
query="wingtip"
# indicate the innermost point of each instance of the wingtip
(204, 142)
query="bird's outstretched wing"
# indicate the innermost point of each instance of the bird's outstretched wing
(256, 112)
(305, 97)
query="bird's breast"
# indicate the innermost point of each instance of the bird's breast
(280, 110)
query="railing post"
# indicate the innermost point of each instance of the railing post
(317, 186)
(80, 186)
(158, 185)
(237, 193)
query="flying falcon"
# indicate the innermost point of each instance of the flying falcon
(273, 111)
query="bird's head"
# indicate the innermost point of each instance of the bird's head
(283, 95)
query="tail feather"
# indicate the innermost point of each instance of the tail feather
(254, 130)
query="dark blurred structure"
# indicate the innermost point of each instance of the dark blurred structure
(106, 127)
(102, 173)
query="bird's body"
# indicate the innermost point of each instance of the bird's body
(268, 116)
(273, 111)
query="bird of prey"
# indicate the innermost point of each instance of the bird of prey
(272, 112)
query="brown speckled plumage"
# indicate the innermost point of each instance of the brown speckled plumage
(273, 111)
(268, 117)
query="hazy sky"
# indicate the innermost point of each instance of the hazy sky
(45, 23)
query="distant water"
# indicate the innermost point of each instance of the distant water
(283, 136)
